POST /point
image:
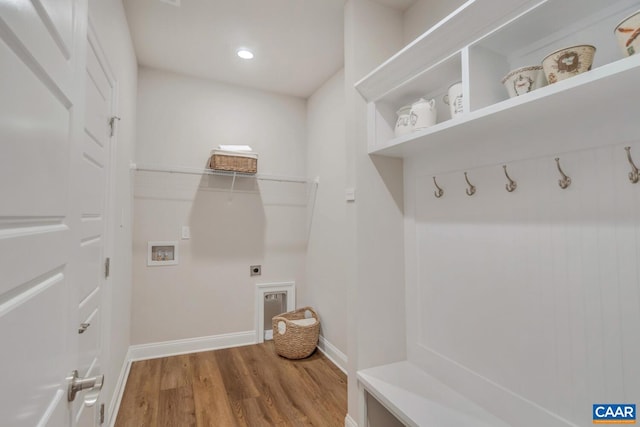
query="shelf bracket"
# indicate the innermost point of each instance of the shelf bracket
(233, 184)
(312, 204)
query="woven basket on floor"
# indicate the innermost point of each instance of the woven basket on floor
(292, 340)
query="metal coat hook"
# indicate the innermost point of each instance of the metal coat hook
(512, 185)
(634, 175)
(565, 181)
(472, 189)
(439, 192)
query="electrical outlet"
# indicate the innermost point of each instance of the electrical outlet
(186, 232)
(255, 270)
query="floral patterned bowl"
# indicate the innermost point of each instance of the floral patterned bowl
(523, 80)
(628, 32)
(568, 62)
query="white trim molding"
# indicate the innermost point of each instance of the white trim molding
(190, 345)
(333, 354)
(350, 422)
(118, 390)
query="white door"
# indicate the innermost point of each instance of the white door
(51, 214)
(91, 198)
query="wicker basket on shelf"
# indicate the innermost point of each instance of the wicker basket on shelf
(233, 162)
(295, 333)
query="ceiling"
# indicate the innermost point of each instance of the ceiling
(298, 44)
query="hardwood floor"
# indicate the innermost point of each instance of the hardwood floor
(244, 386)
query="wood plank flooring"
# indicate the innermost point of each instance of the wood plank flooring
(237, 387)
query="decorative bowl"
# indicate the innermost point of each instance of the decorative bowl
(568, 62)
(628, 34)
(524, 80)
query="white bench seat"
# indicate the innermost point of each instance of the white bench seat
(418, 399)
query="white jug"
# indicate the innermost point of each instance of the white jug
(403, 124)
(454, 99)
(423, 113)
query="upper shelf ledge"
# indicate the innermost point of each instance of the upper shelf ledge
(472, 20)
(589, 110)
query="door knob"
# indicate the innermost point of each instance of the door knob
(77, 384)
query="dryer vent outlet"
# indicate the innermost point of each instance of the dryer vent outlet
(255, 270)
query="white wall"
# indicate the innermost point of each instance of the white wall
(376, 312)
(423, 14)
(327, 256)
(180, 119)
(111, 26)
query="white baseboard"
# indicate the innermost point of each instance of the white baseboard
(118, 391)
(190, 345)
(349, 422)
(332, 353)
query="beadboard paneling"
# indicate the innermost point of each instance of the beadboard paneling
(536, 291)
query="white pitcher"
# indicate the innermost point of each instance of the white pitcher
(403, 124)
(423, 113)
(454, 99)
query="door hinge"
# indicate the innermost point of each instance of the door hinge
(101, 416)
(112, 124)
(107, 267)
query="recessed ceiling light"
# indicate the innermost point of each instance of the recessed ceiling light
(245, 53)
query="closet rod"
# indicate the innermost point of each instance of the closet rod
(194, 171)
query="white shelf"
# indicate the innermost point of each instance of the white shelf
(478, 44)
(429, 83)
(195, 171)
(554, 20)
(420, 400)
(588, 110)
(470, 21)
